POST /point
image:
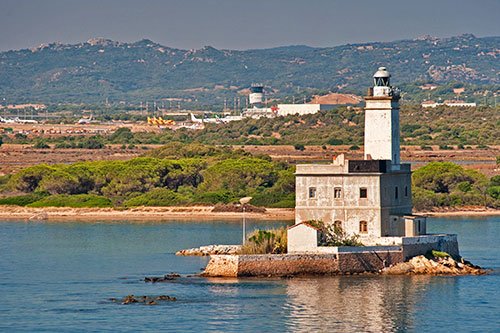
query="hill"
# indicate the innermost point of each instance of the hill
(101, 69)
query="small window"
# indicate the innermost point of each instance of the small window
(406, 191)
(396, 194)
(312, 192)
(337, 193)
(363, 193)
(337, 225)
(363, 227)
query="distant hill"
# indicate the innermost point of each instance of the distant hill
(99, 68)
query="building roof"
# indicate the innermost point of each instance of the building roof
(305, 224)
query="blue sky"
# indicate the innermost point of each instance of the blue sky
(235, 24)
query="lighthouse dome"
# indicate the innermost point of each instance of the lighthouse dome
(381, 77)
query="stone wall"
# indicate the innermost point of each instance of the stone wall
(222, 265)
(414, 246)
(368, 261)
(300, 264)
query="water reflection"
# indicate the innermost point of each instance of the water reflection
(354, 303)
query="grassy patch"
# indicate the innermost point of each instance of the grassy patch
(22, 200)
(74, 201)
(266, 241)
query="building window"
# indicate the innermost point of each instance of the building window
(337, 225)
(363, 193)
(363, 227)
(337, 193)
(406, 191)
(396, 194)
(312, 192)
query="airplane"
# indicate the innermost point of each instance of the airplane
(160, 121)
(16, 120)
(228, 119)
(85, 120)
(215, 120)
(7, 120)
(25, 121)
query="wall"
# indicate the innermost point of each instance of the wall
(299, 264)
(349, 208)
(414, 246)
(382, 129)
(301, 109)
(302, 238)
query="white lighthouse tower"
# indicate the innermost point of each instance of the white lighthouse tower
(382, 120)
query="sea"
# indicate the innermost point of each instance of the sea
(59, 277)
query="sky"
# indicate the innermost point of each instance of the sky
(237, 24)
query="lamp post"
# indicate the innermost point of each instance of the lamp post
(243, 202)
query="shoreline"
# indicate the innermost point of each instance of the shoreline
(188, 213)
(139, 214)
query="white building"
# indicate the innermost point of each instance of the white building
(371, 197)
(457, 103)
(302, 109)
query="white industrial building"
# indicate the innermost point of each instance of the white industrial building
(302, 109)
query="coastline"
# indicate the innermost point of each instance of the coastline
(139, 214)
(199, 213)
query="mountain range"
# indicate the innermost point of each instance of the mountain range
(100, 69)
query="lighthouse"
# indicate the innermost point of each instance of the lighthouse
(382, 120)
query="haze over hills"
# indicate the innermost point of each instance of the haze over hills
(99, 68)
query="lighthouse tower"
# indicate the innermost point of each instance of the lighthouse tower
(382, 120)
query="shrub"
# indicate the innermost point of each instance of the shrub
(75, 201)
(335, 141)
(23, 200)
(354, 147)
(332, 235)
(158, 197)
(41, 144)
(299, 146)
(266, 241)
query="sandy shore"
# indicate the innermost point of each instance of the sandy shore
(465, 212)
(140, 214)
(199, 213)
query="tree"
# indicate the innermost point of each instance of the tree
(299, 146)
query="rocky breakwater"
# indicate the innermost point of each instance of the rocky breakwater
(146, 300)
(434, 266)
(210, 250)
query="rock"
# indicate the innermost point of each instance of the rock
(129, 299)
(443, 266)
(39, 217)
(166, 277)
(210, 250)
(147, 300)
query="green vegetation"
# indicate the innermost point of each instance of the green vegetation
(438, 254)
(189, 174)
(272, 241)
(445, 184)
(192, 174)
(74, 201)
(41, 144)
(333, 235)
(448, 127)
(23, 200)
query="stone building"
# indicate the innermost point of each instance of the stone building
(369, 197)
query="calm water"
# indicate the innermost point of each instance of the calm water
(58, 277)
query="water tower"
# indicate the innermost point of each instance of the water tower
(256, 97)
